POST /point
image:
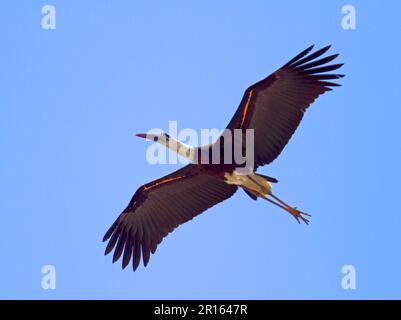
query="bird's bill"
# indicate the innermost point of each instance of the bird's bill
(146, 136)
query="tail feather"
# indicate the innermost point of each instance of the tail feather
(250, 194)
(270, 179)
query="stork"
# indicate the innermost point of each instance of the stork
(273, 108)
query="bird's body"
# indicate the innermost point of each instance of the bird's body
(272, 109)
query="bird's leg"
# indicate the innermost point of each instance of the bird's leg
(297, 214)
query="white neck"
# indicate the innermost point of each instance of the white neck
(177, 146)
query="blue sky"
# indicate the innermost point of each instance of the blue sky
(72, 98)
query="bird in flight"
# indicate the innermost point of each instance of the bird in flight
(273, 108)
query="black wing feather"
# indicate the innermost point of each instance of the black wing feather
(275, 106)
(158, 207)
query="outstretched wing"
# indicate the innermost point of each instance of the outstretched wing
(274, 107)
(158, 207)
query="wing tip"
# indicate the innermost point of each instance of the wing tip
(124, 264)
(326, 48)
(299, 56)
(304, 62)
(308, 49)
(107, 250)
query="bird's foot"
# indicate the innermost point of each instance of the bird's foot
(298, 215)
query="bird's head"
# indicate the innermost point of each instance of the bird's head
(170, 143)
(160, 137)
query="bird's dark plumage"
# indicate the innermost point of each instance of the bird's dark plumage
(273, 107)
(160, 206)
(277, 104)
